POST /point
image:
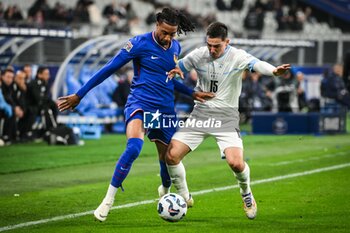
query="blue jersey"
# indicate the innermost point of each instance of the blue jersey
(149, 88)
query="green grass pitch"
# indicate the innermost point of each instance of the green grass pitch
(40, 182)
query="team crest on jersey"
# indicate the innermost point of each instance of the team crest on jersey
(128, 46)
(175, 58)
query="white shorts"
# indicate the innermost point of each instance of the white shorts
(224, 139)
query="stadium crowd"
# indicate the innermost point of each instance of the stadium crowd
(121, 17)
(26, 108)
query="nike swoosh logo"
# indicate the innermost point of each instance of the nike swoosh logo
(154, 57)
(124, 169)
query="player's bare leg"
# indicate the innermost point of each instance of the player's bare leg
(175, 153)
(134, 131)
(234, 158)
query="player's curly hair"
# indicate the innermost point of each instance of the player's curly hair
(217, 30)
(175, 18)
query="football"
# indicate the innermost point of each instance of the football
(172, 207)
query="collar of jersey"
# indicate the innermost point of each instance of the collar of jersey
(171, 42)
(226, 49)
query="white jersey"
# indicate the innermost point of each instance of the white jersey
(223, 75)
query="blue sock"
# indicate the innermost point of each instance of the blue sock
(166, 181)
(123, 166)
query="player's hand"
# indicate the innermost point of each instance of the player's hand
(68, 102)
(171, 74)
(202, 96)
(281, 69)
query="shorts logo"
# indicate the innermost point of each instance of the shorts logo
(128, 46)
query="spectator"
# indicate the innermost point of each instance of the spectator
(5, 116)
(38, 19)
(114, 9)
(27, 69)
(2, 11)
(294, 22)
(13, 13)
(260, 100)
(115, 26)
(254, 97)
(285, 93)
(265, 5)
(130, 12)
(346, 72)
(254, 21)
(39, 102)
(61, 14)
(280, 16)
(20, 94)
(10, 123)
(236, 5)
(40, 9)
(121, 93)
(301, 91)
(308, 16)
(221, 5)
(95, 16)
(245, 99)
(333, 86)
(81, 13)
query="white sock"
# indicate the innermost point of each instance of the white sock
(243, 179)
(111, 192)
(178, 177)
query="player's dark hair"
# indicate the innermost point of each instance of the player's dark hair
(217, 30)
(175, 18)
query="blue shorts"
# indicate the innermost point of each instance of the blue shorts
(162, 135)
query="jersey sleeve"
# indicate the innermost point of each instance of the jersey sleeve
(190, 61)
(246, 60)
(182, 88)
(131, 50)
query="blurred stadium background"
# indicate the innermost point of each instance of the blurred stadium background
(298, 179)
(75, 38)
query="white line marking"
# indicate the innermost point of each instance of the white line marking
(309, 159)
(276, 178)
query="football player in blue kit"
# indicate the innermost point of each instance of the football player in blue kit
(153, 54)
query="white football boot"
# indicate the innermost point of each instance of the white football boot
(163, 190)
(190, 201)
(250, 206)
(103, 209)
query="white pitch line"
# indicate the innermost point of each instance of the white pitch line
(276, 178)
(309, 159)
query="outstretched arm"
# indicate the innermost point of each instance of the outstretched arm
(71, 101)
(270, 70)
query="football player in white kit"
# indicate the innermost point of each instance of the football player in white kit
(219, 67)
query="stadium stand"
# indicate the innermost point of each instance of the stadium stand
(67, 35)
